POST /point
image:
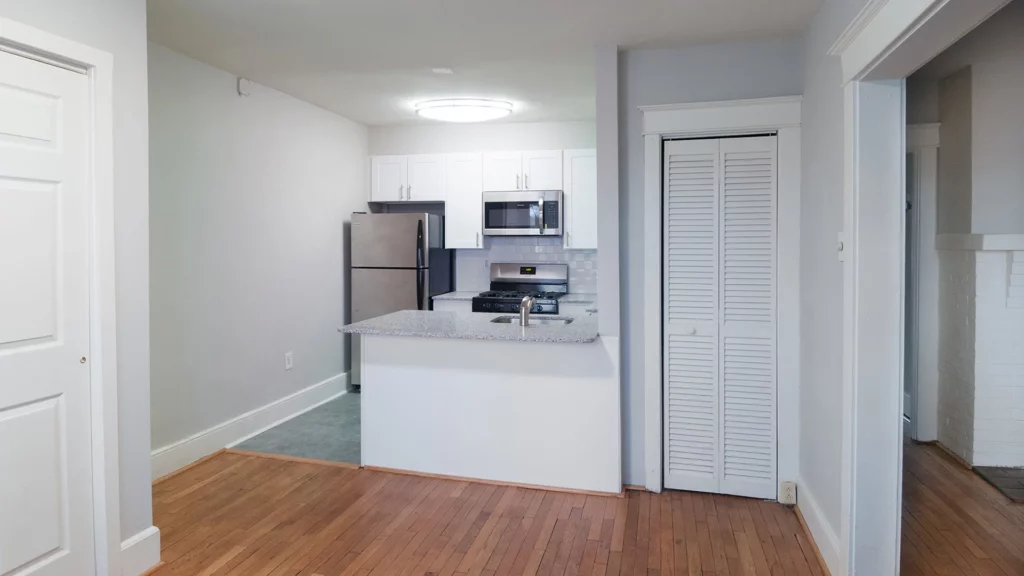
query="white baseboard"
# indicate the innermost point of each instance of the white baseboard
(140, 552)
(825, 537)
(184, 452)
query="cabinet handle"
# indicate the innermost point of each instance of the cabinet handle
(517, 181)
(526, 181)
(477, 239)
(400, 188)
(408, 192)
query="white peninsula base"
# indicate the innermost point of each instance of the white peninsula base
(529, 413)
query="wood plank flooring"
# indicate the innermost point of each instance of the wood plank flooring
(955, 523)
(238, 514)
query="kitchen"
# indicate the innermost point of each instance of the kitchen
(504, 379)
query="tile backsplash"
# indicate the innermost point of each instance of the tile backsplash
(473, 267)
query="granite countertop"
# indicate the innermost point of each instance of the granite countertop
(570, 298)
(472, 326)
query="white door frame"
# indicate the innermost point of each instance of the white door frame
(729, 118)
(38, 45)
(885, 43)
(923, 143)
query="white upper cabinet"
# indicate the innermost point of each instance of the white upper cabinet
(463, 217)
(426, 178)
(542, 170)
(389, 176)
(503, 171)
(580, 197)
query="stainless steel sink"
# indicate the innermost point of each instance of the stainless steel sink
(535, 320)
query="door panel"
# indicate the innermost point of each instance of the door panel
(426, 178)
(46, 516)
(463, 207)
(388, 240)
(503, 171)
(542, 170)
(580, 197)
(388, 177)
(378, 291)
(691, 397)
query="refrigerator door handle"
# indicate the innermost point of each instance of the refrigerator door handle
(419, 244)
(419, 289)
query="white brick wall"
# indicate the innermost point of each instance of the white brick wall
(981, 365)
(472, 267)
(999, 362)
(956, 351)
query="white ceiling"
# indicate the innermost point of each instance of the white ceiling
(370, 60)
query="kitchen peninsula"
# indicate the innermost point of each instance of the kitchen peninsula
(457, 394)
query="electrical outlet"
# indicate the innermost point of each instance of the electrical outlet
(288, 361)
(787, 493)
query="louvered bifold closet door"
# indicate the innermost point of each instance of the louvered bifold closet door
(719, 322)
(747, 331)
(691, 315)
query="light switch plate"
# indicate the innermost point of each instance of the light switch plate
(288, 361)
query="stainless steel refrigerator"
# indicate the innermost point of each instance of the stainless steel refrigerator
(398, 263)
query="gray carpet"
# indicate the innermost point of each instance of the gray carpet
(329, 432)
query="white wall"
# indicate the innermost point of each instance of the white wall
(454, 138)
(119, 28)
(953, 198)
(250, 199)
(693, 74)
(995, 53)
(821, 283)
(956, 351)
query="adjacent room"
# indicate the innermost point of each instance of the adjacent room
(963, 468)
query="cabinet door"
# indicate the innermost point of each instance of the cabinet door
(389, 176)
(463, 208)
(426, 178)
(580, 196)
(542, 170)
(503, 171)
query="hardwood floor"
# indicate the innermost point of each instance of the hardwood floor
(954, 522)
(240, 514)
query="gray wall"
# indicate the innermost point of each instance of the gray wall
(821, 274)
(693, 74)
(250, 197)
(119, 28)
(953, 198)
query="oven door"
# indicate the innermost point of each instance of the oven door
(522, 213)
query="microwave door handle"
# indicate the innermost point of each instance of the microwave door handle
(542, 221)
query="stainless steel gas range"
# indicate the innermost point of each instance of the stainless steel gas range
(510, 283)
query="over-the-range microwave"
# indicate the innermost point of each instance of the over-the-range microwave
(523, 213)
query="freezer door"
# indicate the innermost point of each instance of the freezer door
(380, 291)
(390, 240)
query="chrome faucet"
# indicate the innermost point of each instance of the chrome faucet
(524, 310)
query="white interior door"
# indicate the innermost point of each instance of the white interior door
(719, 316)
(46, 516)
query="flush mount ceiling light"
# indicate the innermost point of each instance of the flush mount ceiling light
(464, 110)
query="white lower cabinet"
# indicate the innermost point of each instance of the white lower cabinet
(463, 208)
(453, 306)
